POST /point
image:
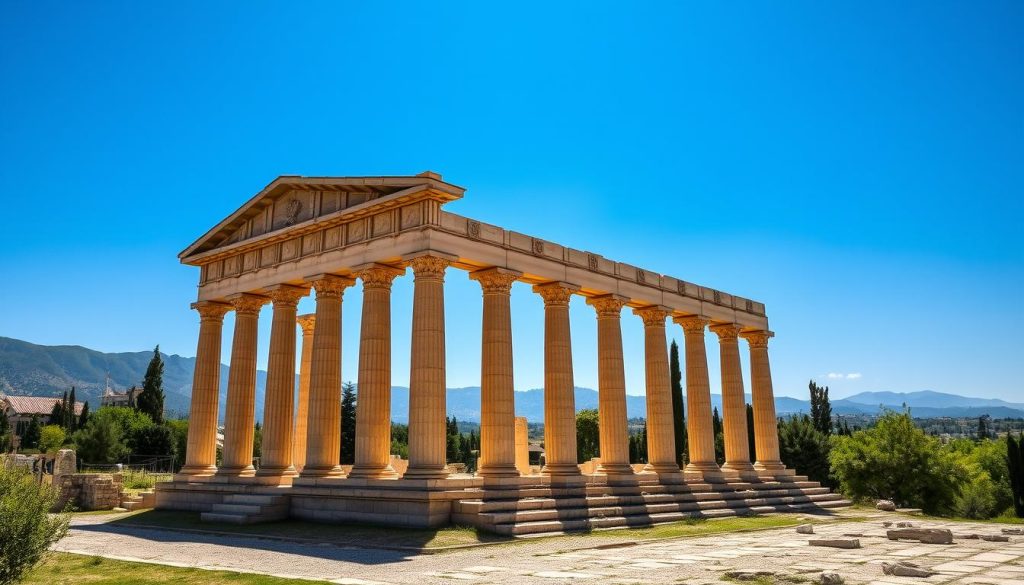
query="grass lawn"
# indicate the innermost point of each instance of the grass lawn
(70, 569)
(423, 539)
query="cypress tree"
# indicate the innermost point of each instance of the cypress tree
(751, 443)
(1015, 463)
(30, 440)
(57, 413)
(69, 412)
(83, 419)
(982, 428)
(151, 399)
(348, 423)
(5, 429)
(678, 409)
(821, 408)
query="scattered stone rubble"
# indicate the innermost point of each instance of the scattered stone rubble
(906, 569)
(835, 542)
(885, 506)
(923, 535)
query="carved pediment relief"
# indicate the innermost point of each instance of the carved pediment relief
(291, 202)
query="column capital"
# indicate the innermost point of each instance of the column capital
(429, 267)
(378, 275)
(211, 310)
(495, 279)
(608, 306)
(330, 285)
(757, 339)
(247, 303)
(653, 316)
(555, 293)
(692, 324)
(307, 322)
(726, 331)
(286, 294)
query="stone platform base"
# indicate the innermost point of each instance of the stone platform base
(506, 505)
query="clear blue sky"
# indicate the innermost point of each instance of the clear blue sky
(858, 166)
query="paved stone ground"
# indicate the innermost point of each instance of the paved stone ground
(693, 561)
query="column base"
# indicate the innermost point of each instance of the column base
(277, 471)
(773, 469)
(246, 471)
(706, 471)
(426, 473)
(333, 471)
(498, 470)
(743, 470)
(197, 471)
(367, 472)
(663, 468)
(561, 469)
(614, 469)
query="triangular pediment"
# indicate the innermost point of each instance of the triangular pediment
(291, 200)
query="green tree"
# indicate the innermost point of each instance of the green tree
(821, 408)
(805, 448)
(27, 529)
(51, 437)
(83, 418)
(101, 441)
(257, 441)
(588, 435)
(70, 422)
(179, 428)
(982, 428)
(400, 440)
(719, 433)
(453, 441)
(30, 440)
(896, 460)
(154, 441)
(1015, 470)
(348, 423)
(5, 432)
(151, 399)
(638, 445)
(678, 407)
(988, 493)
(751, 436)
(57, 412)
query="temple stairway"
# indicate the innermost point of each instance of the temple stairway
(541, 508)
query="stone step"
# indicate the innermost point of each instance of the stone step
(244, 509)
(132, 506)
(226, 518)
(542, 526)
(255, 500)
(517, 517)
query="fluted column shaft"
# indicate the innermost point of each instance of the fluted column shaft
(613, 423)
(323, 430)
(373, 415)
(700, 434)
(427, 425)
(201, 457)
(497, 392)
(734, 405)
(307, 323)
(661, 438)
(240, 415)
(766, 431)
(559, 398)
(279, 398)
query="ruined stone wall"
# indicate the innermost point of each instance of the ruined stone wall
(90, 491)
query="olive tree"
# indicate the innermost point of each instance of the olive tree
(27, 529)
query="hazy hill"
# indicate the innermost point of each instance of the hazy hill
(38, 370)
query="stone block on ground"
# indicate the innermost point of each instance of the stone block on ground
(748, 574)
(905, 569)
(805, 529)
(835, 542)
(885, 505)
(1015, 531)
(922, 535)
(830, 578)
(995, 538)
(904, 525)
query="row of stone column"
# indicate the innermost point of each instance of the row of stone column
(309, 440)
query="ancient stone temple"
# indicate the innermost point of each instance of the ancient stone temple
(321, 235)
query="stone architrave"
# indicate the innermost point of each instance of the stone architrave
(559, 398)
(766, 437)
(279, 399)
(613, 423)
(201, 453)
(699, 431)
(323, 430)
(427, 388)
(734, 406)
(240, 416)
(497, 392)
(661, 442)
(307, 323)
(373, 414)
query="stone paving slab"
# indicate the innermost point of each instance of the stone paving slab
(572, 559)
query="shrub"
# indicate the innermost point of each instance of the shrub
(804, 448)
(26, 528)
(99, 441)
(895, 460)
(51, 438)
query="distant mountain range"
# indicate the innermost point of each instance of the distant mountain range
(39, 370)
